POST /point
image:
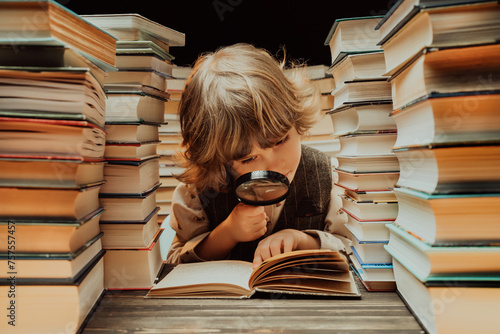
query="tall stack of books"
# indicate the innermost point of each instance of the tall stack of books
(320, 135)
(137, 98)
(52, 118)
(367, 168)
(170, 141)
(444, 62)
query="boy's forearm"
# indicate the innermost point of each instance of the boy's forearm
(217, 245)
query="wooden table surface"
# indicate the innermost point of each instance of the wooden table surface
(130, 312)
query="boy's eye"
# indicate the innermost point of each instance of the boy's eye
(247, 160)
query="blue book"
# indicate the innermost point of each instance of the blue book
(370, 265)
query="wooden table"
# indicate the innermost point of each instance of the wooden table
(130, 312)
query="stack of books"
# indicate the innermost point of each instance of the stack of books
(175, 87)
(446, 239)
(320, 135)
(137, 98)
(52, 119)
(170, 141)
(367, 169)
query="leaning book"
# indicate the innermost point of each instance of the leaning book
(450, 306)
(310, 272)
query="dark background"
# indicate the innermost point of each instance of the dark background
(300, 26)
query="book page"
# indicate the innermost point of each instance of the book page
(211, 272)
(315, 272)
(312, 285)
(311, 258)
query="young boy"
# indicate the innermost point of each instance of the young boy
(239, 113)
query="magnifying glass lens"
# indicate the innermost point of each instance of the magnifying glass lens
(262, 188)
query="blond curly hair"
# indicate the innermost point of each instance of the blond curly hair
(234, 97)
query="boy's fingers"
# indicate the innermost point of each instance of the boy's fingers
(287, 245)
(264, 252)
(261, 232)
(257, 260)
(251, 210)
(275, 246)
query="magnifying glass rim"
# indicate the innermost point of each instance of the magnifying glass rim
(262, 175)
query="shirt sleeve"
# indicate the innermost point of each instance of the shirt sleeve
(190, 223)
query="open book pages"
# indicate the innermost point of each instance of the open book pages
(311, 272)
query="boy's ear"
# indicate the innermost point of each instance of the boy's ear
(308, 208)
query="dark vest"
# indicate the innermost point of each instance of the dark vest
(305, 207)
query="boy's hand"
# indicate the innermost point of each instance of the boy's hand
(246, 223)
(282, 242)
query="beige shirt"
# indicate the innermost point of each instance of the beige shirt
(189, 221)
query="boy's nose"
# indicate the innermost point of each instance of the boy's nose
(275, 163)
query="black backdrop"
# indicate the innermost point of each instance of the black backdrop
(301, 26)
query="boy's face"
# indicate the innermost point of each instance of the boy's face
(284, 157)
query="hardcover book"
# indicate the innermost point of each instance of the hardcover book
(358, 66)
(355, 92)
(49, 173)
(54, 307)
(56, 203)
(367, 144)
(353, 35)
(135, 108)
(125, 207)
(450, 306)
(310, 272)
(445, 219)
(133, 27)
(447, 70)
(57, 139)
(52, 93)
(436, 27)
(367, 181)
(375, 277)
(130, 176)
(370, 210)
(123, 234)
(367, 230)
(403, 11)
(369, 163)
(464, 168)
(50, 23)
(133, 269)
(52, 267)
(438, 263)
(449, 118)
(369, 117)
(49, 235)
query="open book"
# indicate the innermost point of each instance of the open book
(311, 272)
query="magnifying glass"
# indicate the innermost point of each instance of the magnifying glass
(261, 188)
